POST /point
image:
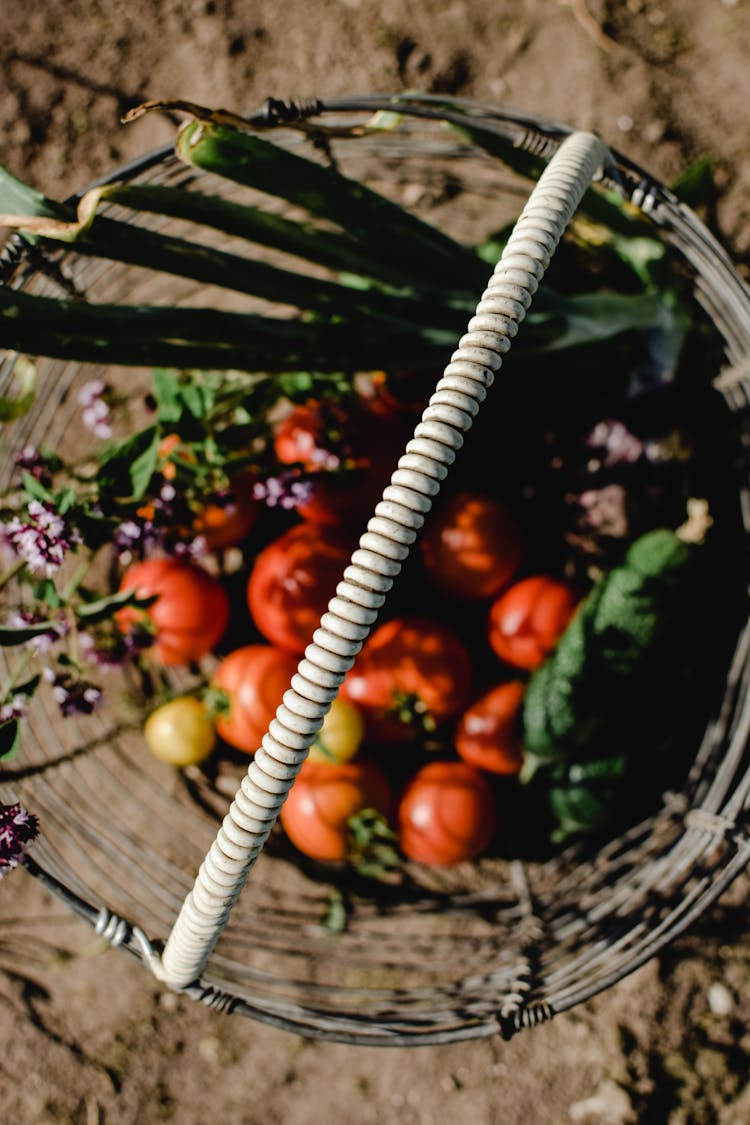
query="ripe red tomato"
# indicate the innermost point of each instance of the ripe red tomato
(527, 620)
(324, 798)
(471, 547)
(403, 391)
(447, 814)
(487, 736)
(412, 674)
(254, 678)
(189, 615)
(347, 459)
(311, 436)
(293, 580)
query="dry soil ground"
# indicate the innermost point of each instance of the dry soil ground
(86, 1035)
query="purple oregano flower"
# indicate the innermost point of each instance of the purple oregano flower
(284, 491)
(96, 413)
(18, 829)
(73, 696)
(42, 542)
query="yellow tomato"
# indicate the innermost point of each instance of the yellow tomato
(180, 732)
(340, 736)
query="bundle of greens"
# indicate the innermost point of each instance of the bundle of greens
(593, 687)
(397, 292)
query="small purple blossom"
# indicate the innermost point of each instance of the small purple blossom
(18, 829)
(73, 696)
(92, 391)
(44, 541)
(31, 461)
(129, 534)
(137, 639)
(137, 535)
(615, 443)
(14, 708)
(325, 460)
(96, 412)
(101, 655)
(194, 549)
(284, 491)
(112, 650)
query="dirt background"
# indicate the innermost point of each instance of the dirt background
(87, 1036)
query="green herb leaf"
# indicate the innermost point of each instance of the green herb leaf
(90, 613)
(143, 468)
(336, 916)
(23, 384)
(28, 687)
(126, 468)
(45, 592)
(10, 637)
(17, 198)
(696, 185)
(169, 408)
(373, 845)
(10, 739)
(35, 489)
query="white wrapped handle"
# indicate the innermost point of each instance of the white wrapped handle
(381, 553)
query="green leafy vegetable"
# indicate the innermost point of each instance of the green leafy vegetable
(589, 689)
(585, 680)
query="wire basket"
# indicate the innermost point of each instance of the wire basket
(491, 947)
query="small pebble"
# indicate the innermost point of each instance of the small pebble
(169, 1001)
(412, 194)
(625, 123)
(720, 999)
(209, 1049)
(609, 1105)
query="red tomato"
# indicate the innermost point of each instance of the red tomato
(487, 735)
(404, 391)
(527, 621)
(447, 814)
(471, 546)
(347, 498)
(311, 436)
(324, 798)
(412, 674)
(254, 678)
(293, 580)
(191, 611)
(348, 460)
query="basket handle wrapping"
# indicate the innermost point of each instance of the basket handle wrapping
(376, 563)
